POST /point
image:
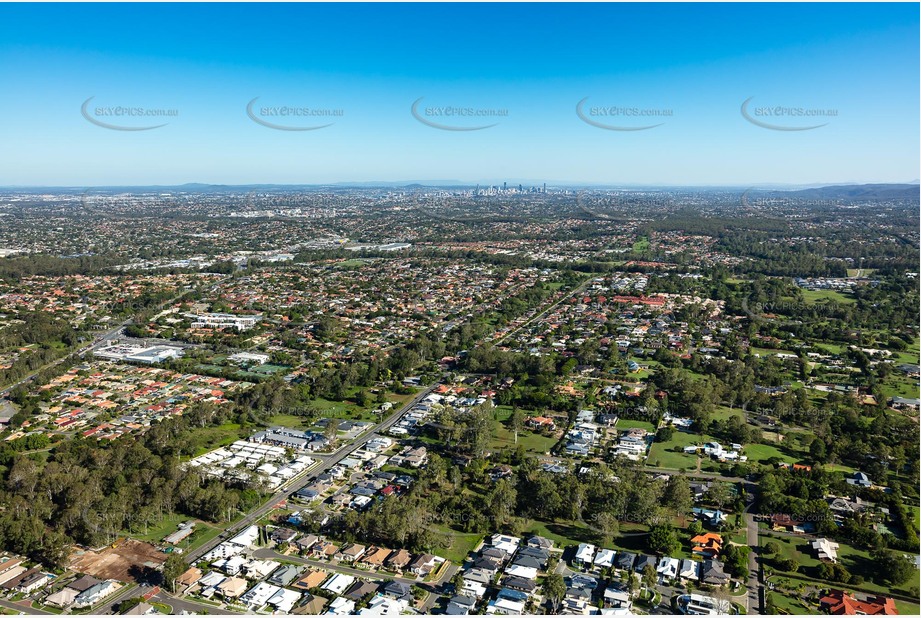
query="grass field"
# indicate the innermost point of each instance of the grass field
(900, 386)
(625, 423)
(350, 264)
(561, 533)
(504, 438)
(459, 544)
(661, 454)
(763, 452)
(156, 532)
(722, 413)
(790, 604)
(642, 244)
(818, 296)
(208, 438)
(831, 348)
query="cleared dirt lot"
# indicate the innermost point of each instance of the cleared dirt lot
(128, 561)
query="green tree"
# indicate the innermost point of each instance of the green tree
(663, 539)
(174, 567)
(554, 589)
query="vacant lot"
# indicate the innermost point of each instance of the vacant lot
(128, 561)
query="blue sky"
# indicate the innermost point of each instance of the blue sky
(856, 62)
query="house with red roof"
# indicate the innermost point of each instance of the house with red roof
(840, 603)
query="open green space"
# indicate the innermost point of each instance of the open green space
(817, 296)
(722, 413)
(626, 423)
(762, 452)
(856, 561)
(458, 545)
(351, 264)
(662, 454)
(642, 244)
(205, 439)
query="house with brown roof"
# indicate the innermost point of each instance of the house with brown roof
(11, 584)
(361, 589)
(351, 552)
(312, 607)
(232, 587)
(311, 578)
(324, 549)
(423, 565)
(376, 556)
(192, 575)
(399, 559)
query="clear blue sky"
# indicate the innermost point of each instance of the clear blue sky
(537, 61)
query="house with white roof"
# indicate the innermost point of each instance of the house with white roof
(689, 570)
(668, 568)
(585, 553)
(605, 558)
(341, 607)
(826, 551)
(338, 583)
(259, 595)
(284, 600)
(508, 544)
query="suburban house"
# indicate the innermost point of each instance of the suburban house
(399, 559)
(668, 568)
(585, 554)
(423, 565)
(310, 579)
(605, 558)
(624, 560)
(94, 594)
(460, 605)
(826, 551)
(840, 603)
(351, 552)
(690, 570)
(860, 479)
(540, 422)
(711, 572)
(707, 544)
(376, 556)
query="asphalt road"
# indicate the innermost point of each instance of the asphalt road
(27, 609)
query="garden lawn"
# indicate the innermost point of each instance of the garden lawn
(762, 452)
(459, 544)
(661, 454)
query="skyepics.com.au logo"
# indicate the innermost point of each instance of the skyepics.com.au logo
(291, 117)
(785, 117)
(775, 206)
(620, 207)
(789, 312)
(444, 210)
(456, 118)
(125, 117)
(621, 118)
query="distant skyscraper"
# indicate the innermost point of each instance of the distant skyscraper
(504, 186)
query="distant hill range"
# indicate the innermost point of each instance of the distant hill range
(856, 192)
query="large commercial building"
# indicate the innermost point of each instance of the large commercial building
(224, 320)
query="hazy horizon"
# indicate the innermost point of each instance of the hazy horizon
(597, 94)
